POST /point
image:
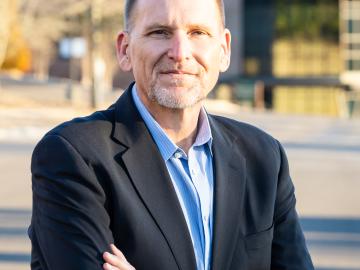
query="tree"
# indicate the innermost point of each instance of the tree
(7, 14)
(44, 23)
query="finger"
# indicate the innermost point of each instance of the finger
(117, 252)
(115, 261)
(107, 266)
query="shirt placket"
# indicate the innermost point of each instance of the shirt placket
(198, 177)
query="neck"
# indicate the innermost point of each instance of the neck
(179, 124)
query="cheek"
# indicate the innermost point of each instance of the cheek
(209, 56)
(145, 59)
(210, 61)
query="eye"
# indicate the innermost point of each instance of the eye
(199, 33)
(159, 32)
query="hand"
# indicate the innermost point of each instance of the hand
(116, 261)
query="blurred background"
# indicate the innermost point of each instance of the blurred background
(295, 73)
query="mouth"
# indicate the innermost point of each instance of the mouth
(177, 72)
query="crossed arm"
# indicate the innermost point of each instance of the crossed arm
(71, 226)
(61, 180)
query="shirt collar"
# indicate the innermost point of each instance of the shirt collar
(204, 135)
(166, 146)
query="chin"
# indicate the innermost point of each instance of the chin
(171, 98)
(177, 104)
(177, 95)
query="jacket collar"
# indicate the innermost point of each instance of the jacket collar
(149, 175)
(230, 181)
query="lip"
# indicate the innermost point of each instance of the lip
(177, 72)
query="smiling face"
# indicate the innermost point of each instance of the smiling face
(175, 50)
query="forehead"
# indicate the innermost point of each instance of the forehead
(176, 13)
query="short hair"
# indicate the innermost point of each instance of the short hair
(129, 7)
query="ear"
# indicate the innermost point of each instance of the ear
(225, 53)
(122, 48)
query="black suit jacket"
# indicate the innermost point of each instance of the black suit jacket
(101, 179)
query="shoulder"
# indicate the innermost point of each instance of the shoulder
(81, 132)
(97, 122)
(244, 132)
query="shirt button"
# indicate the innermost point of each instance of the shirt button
(177, 155)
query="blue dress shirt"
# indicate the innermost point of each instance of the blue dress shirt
(192, 177)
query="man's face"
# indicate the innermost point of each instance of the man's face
(176, 50)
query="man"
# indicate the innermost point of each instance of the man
(169, 185)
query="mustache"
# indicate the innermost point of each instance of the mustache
(177, 69)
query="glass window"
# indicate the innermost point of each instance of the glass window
(351, 33)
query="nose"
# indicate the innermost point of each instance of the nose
(180, 47)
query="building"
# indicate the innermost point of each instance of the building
(350, 41)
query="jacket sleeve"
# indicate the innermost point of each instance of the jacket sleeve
(289, 249)
(70, 227)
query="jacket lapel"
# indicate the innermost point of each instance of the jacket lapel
(230, 180)
(149, 175)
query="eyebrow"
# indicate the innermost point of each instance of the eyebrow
(165, 26)
(157, 26)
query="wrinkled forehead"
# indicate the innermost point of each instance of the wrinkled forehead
(176, 13)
